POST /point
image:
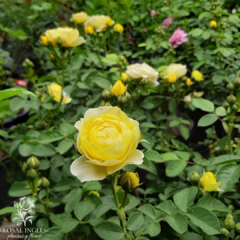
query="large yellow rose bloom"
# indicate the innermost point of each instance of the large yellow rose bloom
(79, 18)
(173, 72)
(107, 140)
(118, 88)
(68, 36)
(99, 22)
(140, 71)
(209, 182)
(55, 91)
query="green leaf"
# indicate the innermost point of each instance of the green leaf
(44, 150)
(227, 158)
(108, 203)
(142, 238)
(185, 198)
(25, 149)
(178, 222)
(226, 52)
(203, 104)
(64, 146)
(182, 155)
(175, 167)
(60, 219)
(153, 229)
(135, 221)
(53, 233)
(44, 165)
(69, 225)
(133, 202)
(221, 111)
(147, 125)
(206, 35)
(43, 223)
(67, 129)
(72, 199)
(204, 219)
(184, 131)
(92, 185)
(196, 32)
(82, 209)
(49, 136)
(64, 185)
(166, 206)
(18, 189)
(148, 210)
(102, 83)
(207, 120)
(192, 236)
(212, 204)
(169, 156)
(234, 19)
(7, 210)
(14, 91)
(108, 231)
(228, 175)
(153, 155)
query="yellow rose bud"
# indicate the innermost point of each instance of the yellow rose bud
(68, 37)
(129, 181)
(209, 182)
(118, 88)
(213, 23)
(107, 141)
(172, 78)
(89, 30)
(110, 22)
(197, 75)
(79, 18)
(52, 56)
(118, 28)
(189, 82)
(44, 40)
(55, 91)
(94, 193)
(124, 77)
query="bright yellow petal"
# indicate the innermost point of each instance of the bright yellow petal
(86, 171)
(135, 158)
(212, 187)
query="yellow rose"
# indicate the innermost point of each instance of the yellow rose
(213, 23)
(173, 72)
(189, 82)
(188, 99)
(209, 182)
(129, 181)
(197, 75)
(118, 28)
(107, 140)
(52, 56)
(44, 40)
(68, 36)
(55, 91)
(124, 77)
(79, 18)
(99, 22)
(141, 71)
(89, 30)
(118, 88)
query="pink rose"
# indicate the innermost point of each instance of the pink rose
(178, 38)
(153, 13)
(167, 22)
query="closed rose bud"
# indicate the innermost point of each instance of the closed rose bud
(128, 96)
(118, 88)
(106, 94)
(209, 182)
(237, 238)
(213, 23)
(33, 162)
(229, 215)
(224, 232)
(31, 174)
(122, 99)
(230, 87)
(129, 181)
(194, 177)
(235, 107)
(229, 223)
(225, 104)
(231, 207)
(237, 227)
(237, 81)
(24, 167)
(124, 77)
(43, 183)
(231, 99)
(44, 40)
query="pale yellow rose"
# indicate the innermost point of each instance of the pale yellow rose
(209, 182)
(99, 22)
(107, 140)
(69, 37)
(173, 72)
(140, 71)
(55, 91)
(188, 99)
(79, 18)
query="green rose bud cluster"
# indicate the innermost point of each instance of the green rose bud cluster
(30, 167)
